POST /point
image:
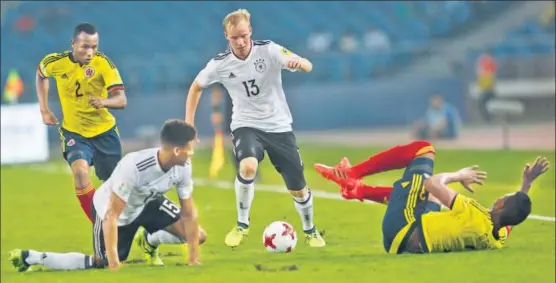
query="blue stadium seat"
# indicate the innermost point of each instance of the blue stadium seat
(136, 30)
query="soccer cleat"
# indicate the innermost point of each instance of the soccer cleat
(338, 174)
(233, 239)
(315, 239)
(150, 252)
(17, 260)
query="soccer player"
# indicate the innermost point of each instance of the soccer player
(413, 222)
(84, 78)
(133, 197)
(250, 70)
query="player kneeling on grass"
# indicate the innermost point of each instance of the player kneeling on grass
(133, 197)
(413, 222)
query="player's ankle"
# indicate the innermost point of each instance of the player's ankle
(310, 231)
(242, 225)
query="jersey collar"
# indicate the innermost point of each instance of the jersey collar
(73, 58)
(158, 166)
(248, 55)
(75, 61)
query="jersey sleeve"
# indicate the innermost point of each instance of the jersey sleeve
(459, 204)
(124, 179)
(47, 65)
(281, 55)
(112, 79)
(208, 75)
(185, 185)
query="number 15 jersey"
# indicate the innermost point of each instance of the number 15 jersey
(137, 180)
(254, 85)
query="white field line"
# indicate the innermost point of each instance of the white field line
(51, 168)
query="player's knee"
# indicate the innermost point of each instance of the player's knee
(80, 170)
(424, 149)
(248, 169)
(299, 193)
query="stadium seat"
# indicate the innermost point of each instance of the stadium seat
(176, 30)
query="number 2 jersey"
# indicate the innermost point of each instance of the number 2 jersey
(76, 83)
(467, 226)
(138, 179)
(254, 85)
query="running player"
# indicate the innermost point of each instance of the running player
(413, 221)
(250, 70)
(84, 78)
(133, 197)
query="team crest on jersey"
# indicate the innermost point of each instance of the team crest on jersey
(285, 51)
(71, 142)
(260, 66)
(89, 72)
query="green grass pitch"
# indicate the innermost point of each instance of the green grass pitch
(40, 211)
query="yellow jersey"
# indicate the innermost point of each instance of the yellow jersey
(76, 83)
(467, 226)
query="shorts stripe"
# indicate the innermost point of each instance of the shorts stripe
(97, 230)
(62, 139)
(418, 187)
(412, 198)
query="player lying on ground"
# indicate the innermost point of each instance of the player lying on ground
(251, 72)
(413, 221)
(84, 78)
(133, 197)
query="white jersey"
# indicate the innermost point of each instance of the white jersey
(137, 180)
(254, 85)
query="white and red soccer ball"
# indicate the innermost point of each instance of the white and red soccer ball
(279, 237)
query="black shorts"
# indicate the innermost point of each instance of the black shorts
(407, 203)
(103, 151)
(281, 149)
(157, 215)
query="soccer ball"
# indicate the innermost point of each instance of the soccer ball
(279, 237)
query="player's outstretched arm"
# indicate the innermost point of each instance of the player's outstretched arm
(531, 173)
(192, 102)
(110, 228)
(189, 215)
(43, 84)
(206, 77)
(301, 64)
(436, 185)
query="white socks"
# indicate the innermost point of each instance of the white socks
(163, 237)
(59, 261)
(304, 207)
(244, 199)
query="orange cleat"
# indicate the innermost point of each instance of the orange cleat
(338, 174)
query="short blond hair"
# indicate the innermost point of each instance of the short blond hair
(235, 17)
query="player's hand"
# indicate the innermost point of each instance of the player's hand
(96, 102)
(469, 176)
(48, 118)
(114, 265)
(530, 173)
(294, 64)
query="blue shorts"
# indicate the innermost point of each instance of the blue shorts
(407, 203)
(103, 151)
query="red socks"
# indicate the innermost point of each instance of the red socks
(380, 194)
(85, 197)
(396, 157)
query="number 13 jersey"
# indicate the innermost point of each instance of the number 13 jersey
(254, 85)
